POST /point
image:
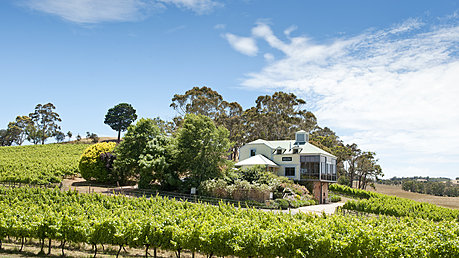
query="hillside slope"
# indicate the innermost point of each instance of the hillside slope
(39, 164)
(448, 202)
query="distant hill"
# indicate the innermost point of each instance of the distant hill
(399, 180)
(449, 202)
(89, 141)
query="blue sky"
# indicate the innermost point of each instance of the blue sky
(383, 74)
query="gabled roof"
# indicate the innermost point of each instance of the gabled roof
(306, 148)
(256, 160)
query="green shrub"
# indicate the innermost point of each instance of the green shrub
(255, 173)
(129, 151)
(334, 198)
(346, 190)
(239, 190)
(215, 188)
(301, 203)
(95, 162)
(343, 180)
(282, 203)
(272, 204)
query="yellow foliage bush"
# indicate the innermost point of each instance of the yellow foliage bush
(92, 165)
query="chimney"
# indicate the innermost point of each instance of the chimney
(301, 137)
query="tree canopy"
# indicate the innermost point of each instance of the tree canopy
(202, 148)
(120, 117)
(45, 120)
(276, 117)
(273, 118)
(128, 152)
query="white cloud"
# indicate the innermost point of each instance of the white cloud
(289, 30)
(96, 11)
(393, 91)
(268, 57)
(220, 26)
(245, 45)
(198, 6)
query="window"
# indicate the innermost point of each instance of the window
(300, 137)
(290, 171)
(279, 151)
(295, 151)
(253, 152)
(286, 158)
(310, 167)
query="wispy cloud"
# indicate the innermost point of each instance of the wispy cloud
(245, 45)
(394, 91)
(197, 6)
(220, 26)
(96, 11)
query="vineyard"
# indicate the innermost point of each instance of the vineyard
(39, 164)
(156, 222)
(395, 206)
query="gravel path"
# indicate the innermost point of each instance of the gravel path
(329, 208)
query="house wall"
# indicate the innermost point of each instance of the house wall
(321, 196)
(263, 149)
(244, 152)
(277, 158)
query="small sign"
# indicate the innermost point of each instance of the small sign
(193, 190)
(271, 195)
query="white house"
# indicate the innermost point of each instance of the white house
(296, 159)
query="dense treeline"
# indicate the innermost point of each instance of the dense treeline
(36, 128)
(183, 153)
(432, 188)
(148, 156)
(276, 117)
(222, 230)
(398, 180)
(395, 206)
(39, 164)
(273, 117)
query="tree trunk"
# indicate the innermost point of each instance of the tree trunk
(95, 250)
(234, 154)
(22, 244)
(42, 246)
(119, 251)
(119, 135)
(43, 136)
(351, 174)
(62, 246)
(49, 246)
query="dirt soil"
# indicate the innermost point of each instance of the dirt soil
(82, 186)
(32, 249)
(444, 201)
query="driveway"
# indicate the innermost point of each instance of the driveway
(329, 208)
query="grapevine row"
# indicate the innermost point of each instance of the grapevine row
(215, 230)
(39, 164)
(395, 206)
